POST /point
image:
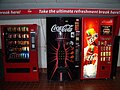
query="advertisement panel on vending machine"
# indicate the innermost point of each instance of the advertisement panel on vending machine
(89, 48)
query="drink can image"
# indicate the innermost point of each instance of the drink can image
(14, 35)
(20, 55)
(9, 29)
(24, 36)
(106, 48)
(109, 53)
(26, 29)
(109, 58)
(14, 29)
(18, 29)
(101, 58)
(101, 48)
(109, 48)
(25, 55)
(27, 48)
(101, 53)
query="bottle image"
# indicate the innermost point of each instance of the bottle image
(27, 36)
(27, 55)
(14, 29)
(9, 29)
(23, 29)
(22, 36)
(18, 29)
(61, 55)
(26, 29)
(21, 55)
(27, 49)
(9, 35)
(61, 51)
(19, 36)
(22, 48)
(27, 42)
(14, 35)
(24, 42)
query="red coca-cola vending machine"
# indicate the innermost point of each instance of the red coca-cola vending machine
(97, 40)
(20, 52)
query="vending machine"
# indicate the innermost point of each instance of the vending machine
(20, 52)
(97, 40)
(63, 48)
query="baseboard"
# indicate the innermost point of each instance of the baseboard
(43, 70)
(118, 67)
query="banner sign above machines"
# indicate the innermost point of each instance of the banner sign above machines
(60, 11)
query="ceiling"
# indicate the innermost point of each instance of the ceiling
(20, 4)
(59, 1)
(29, 4)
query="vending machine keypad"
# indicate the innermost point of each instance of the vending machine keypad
(33, 38)
(105, 50)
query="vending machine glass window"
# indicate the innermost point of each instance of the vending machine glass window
(17, 44)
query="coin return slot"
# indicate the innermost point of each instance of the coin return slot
(34, 69)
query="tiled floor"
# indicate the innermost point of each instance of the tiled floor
(43, 84)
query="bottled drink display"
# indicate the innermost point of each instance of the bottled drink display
(17, 44)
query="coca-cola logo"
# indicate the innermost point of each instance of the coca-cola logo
(107, 21)
(65, 28)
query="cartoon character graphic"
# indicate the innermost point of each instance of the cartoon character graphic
(90, 54)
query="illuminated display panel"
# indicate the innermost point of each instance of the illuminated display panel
(90, 39)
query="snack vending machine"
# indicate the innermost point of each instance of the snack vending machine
(63, 47)
(20, 52)
(96, 48)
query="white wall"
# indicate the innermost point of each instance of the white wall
(42, 33)
(118, 64)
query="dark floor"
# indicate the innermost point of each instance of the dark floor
(43, 84)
